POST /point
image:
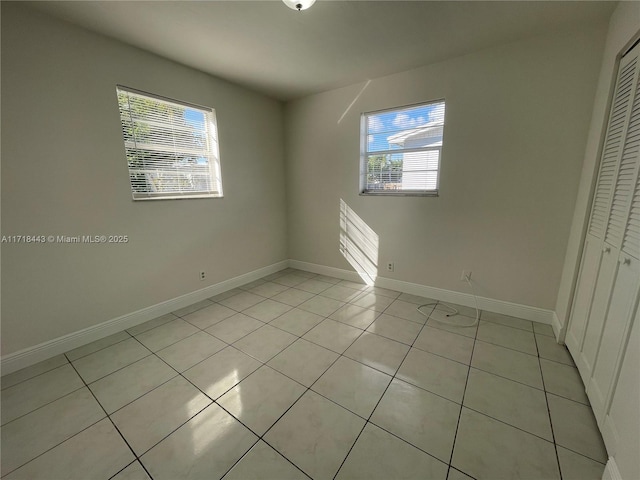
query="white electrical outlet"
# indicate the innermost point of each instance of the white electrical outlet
(466, 274)
(203, 275)
(390, 266)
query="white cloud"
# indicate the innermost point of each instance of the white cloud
(405, 121)
(375, 124)
(437, 113)
(402, 120)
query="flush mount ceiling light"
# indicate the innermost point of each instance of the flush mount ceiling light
(299, 4)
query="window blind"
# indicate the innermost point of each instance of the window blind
(171, 147)
(401, 149)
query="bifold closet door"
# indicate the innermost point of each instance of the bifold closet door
(613, 342)
(599, 262)
(589, 268)
(625, 227)
(621, 430)
(608, 287)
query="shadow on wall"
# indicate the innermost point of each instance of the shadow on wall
(358, 244)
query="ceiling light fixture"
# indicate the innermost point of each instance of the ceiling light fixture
(299, 4)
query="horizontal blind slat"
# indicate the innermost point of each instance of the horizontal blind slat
(402, 148)
(171, 148)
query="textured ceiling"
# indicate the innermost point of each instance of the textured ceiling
(287, 54)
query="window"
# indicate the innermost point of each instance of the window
(401, 150)
(171, 147)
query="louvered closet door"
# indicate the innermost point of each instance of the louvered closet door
(613, 343)
(621, 430)
(631, 241)
(608, 276)
(624, 295)
(598, 265)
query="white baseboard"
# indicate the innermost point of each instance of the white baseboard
(610, 435)
(324, 270)
(558, 328)
(611, 471)
(32, 355)
(526, 312)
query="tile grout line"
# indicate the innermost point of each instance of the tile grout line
(100, 349)
(546, 399)
(232, 344)
(177, 317)
(35, 376)
(127, 466)
(582, 455)
(204, 330)
(508, 424)
(368, 420)
(464, 392)
(279, 328)
(214, 401)
(51, 448)
(262, 364)
(214, 302)
(164, 325)
(428, 391)
(525, 353)
(253, 446)
(43, 405)
(261, 437)
(358, 295)
(107, 415)
(524, 384)
(46, 403)
(57, 444)
(362, 293)
(69, 362)
(179, 374)
(506, 347)
(340, 355)
(119, 368)
(493, 322)
(113, 423)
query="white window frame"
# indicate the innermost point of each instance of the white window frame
(180, 160)
(365, 153)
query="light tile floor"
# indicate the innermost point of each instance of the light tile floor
(300, 375)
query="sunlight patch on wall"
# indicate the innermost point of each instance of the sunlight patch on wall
(358, 244)
(354, 100)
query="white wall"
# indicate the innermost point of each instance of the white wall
(517, 118)
(623, 26)
(65, 173)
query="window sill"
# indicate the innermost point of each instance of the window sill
(433, 193)
(174, 197)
